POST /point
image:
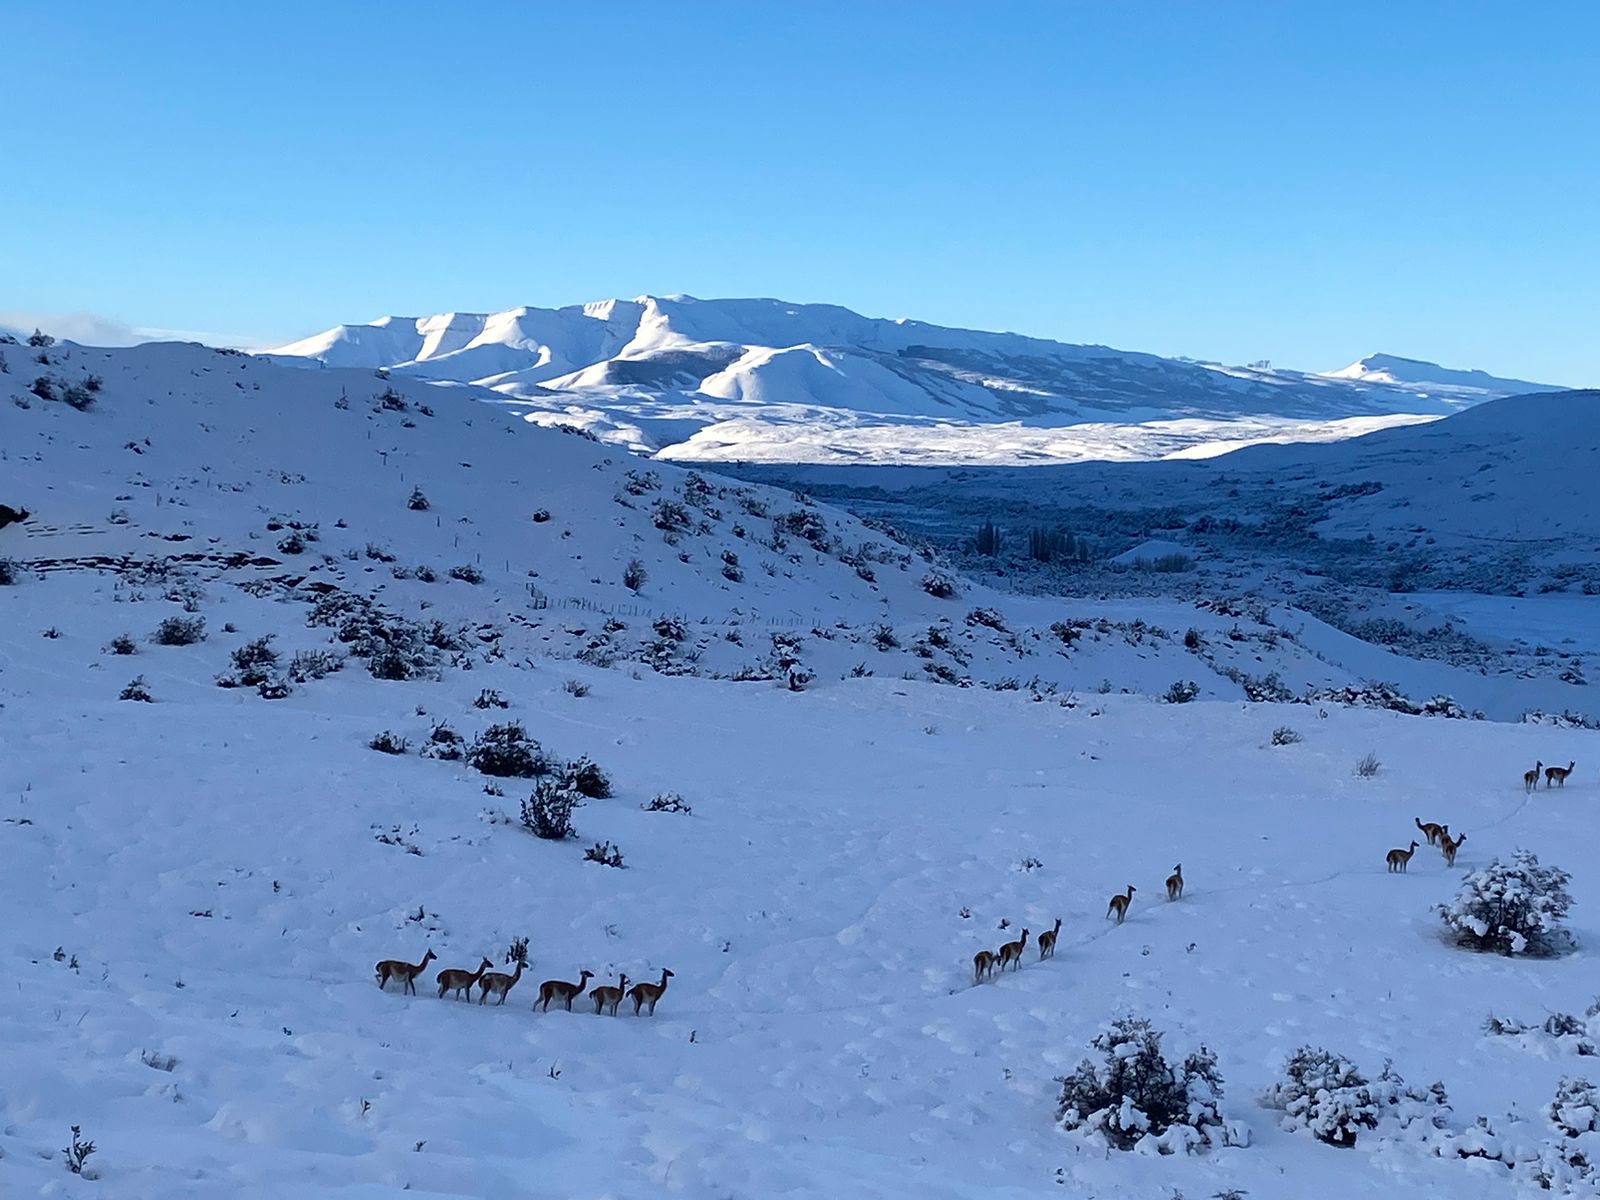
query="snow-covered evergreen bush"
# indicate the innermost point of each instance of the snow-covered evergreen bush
(938, 584)
(122, 644)
(180, 631)
(547, 813)
(1510, 908)
(9, 572)
(587, 779)
(252, 664)
(418, 501)
(634, 575)
(389, 742)
(507, 752)
(1133, 1098)
(1181, 692)
(1324, 1094)
(136, 690)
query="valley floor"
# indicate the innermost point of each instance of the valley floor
(210, 868)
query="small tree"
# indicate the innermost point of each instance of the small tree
(418, 501)
(547, 813)
(40, 340)
(1133, 1093)
(1510, 908)
(634, 575)
(136, 690)
(987, 541)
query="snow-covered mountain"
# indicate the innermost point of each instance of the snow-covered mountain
(1417, 374)
(721, 380)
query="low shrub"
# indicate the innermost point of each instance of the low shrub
(547, 813)
(389, 742)
(180, 631)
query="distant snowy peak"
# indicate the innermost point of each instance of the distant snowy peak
(1415, 372)
(739, 377)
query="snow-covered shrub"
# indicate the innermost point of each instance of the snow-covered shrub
(276, 688)
(40, 341)
(395, 649)
(804, 523)
(670, 802)
(670, 629)
(634, 575)
(670, 516)
(252, 664)
(585, 778)
(444, 743)
(547, 813)
(307, 665)
(1284, 736)
(77, 1154)
(466, 573)
(1510, 908)
(180, 631)
(490, 698)
(576, 688)
(389, 742)
(1134, 1098)
(1367, 766)
(292, 543)
(938, 585)
(988, 618)
(507, 752)
(122, 644)
(883, 637)
(392, 400)
(1181, 692)
(1324, 1094)
(786, 662)
(79, 396)
(43, 387)
(604, 853)
(136, 690)
(418, 501)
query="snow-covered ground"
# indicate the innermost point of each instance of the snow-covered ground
(201, 885)
(756, 380)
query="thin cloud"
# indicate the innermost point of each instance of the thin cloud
(91, 329)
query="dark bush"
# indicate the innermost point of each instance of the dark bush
(466, 573)
(180, 631)
(122, 644)
(136, 690)
(548, 811)
(388, 742)
(604, 853)
(634, 575)
(507, 752)
(418, 501)
(585, 778)
(667, 802)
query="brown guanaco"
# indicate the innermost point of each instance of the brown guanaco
(1175, 883)
(982, 964)
(460, 980)
(1557, 776)
(1047, 941)
(1430, 829)
(1530, 779)
(1399, 860)
(608, 997)
(648, 993)
(393, 968)
(1011, 952)
(1119, 904)
(556, 989)
(499, 984)
(1449, 846)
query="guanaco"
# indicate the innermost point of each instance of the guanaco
(1011, 952)
(1558, 775)
(1047, 941)
(1449, 846)
(1119, 904)
(648, 993)
(608, 997)
(460, 980)
(1530, 779)
(499, 983)
(393, 968)
(556, 989)
(982, 964)
(1175, 883)
(1430, 829)
(1399, 860)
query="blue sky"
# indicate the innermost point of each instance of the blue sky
(1295, 181)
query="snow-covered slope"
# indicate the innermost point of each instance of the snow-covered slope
(721, 380)
(200, 885)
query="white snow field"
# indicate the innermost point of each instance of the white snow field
(760, 380)
(199, 887)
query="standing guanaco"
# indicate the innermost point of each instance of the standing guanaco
(1449, 846)
(1558, 775)
(1175, 883)
(1119, 904)
(609, 997)
(1400, 859)
(500, 984)
(393, 968)
(648, 993)
(1430, 829)
(556, 989)
(1530, 779)
(982, 964)
(1011, 952)
(460, 980)
(1047, 941)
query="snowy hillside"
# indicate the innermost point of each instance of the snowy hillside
(721, 380)
(234, 578)
(1415, 373)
